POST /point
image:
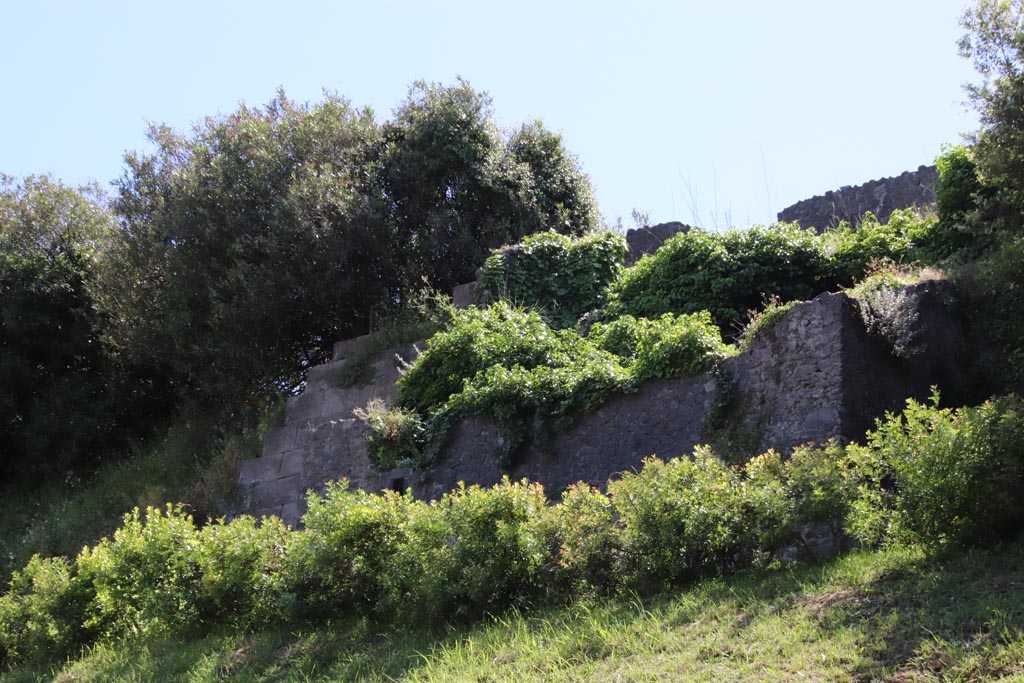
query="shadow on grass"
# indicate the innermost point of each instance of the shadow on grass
(962, 615)
(903, 616)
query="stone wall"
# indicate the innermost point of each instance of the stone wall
(648, 239)
(880, 197)
(321, 440)
(817, 374)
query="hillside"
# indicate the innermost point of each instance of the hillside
(886, 616)
(769, 453)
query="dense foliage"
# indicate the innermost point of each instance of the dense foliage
(936, 477)
(983, 202)
(534, 369)
(507, 363)
(252, 243)
(958, 194)
(247, 246)
(995, 44)
(958, 475)
(732, 273)
(63, 392)
(562, 277)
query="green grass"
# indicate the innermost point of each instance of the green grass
(894, 615)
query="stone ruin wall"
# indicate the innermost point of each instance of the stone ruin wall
(880, 197)
(817, 374)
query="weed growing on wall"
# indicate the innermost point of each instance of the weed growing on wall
(761, 321)
(395, 436)
(887, 309)
(419, 316)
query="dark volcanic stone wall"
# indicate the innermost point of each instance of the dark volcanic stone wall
(817, 374)
(648, 239)
(880, 197)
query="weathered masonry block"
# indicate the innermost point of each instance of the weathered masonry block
(881, 197)
(816, 375)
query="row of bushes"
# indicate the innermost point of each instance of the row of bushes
(507, 363)
(932, 476)
(728, 274)
(732, 273)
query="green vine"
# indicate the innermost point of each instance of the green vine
(561, 276)
(507, 363)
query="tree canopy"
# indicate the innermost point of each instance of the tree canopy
(995, 43)
(247, 246)
(62, 393)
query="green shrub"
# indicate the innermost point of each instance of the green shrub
(476, 340)
(342, 556)
(870, 497)
(507, 364)
(241, 563)
(856, 251)
(678, 278)
(664, 347)
(562, 277)
(587, 547)
(957, 194)
(731, 273)
(765, 512)
(809, 488)
(690, 517)
(993, 286)
(531, 403)
(473, 552)
(781, 260)
(147, 578)
(41, 614)
(936, 477)
(817, 481)
(726, 274)
(957, 475)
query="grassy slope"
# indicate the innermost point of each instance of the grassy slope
(892, 615)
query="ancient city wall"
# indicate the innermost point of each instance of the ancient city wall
(817, 374)
(880, 197)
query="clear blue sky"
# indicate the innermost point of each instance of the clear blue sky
(719, 113)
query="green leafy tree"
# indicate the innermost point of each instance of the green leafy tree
(61, 390)
(561, 195)
(455, 188)
(995, 43)
(959, 193)
(248, 246)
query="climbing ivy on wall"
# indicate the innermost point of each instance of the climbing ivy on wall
(507, 363)
(532, 363)
(562, 277)
(729, 274)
